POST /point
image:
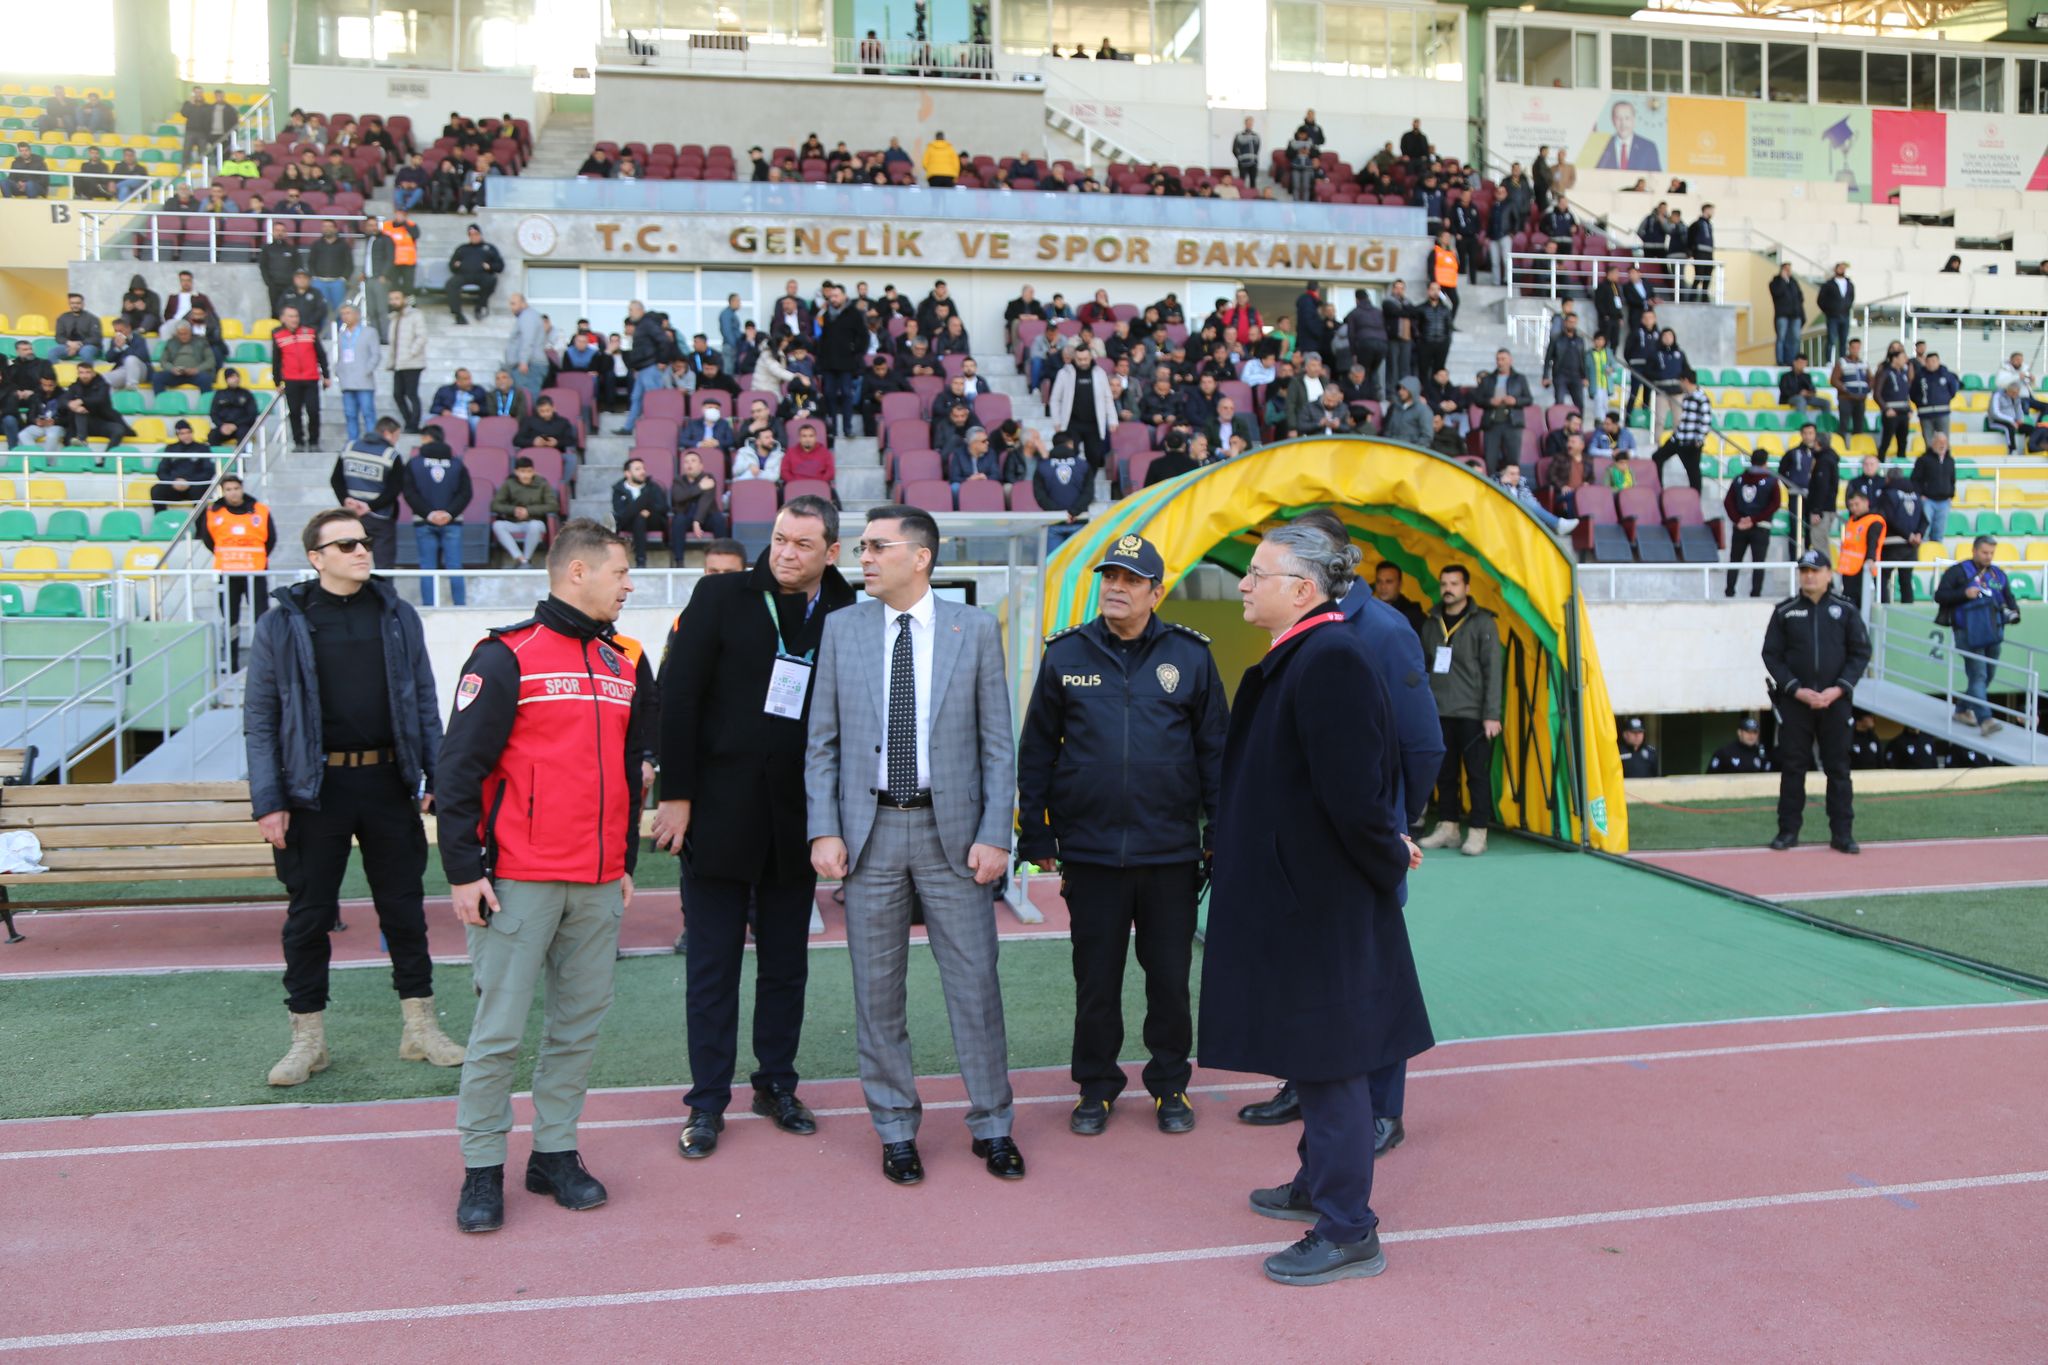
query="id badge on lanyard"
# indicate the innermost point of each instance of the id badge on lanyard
(789, 682)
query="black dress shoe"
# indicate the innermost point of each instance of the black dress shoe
(1316, 1260)
(1282, 1202)
(683, 943)
(1284, 1107)
(790, 1114)
(1387, 1134)
(700, 1134)
(1176, 1115)
(1002, 1156)
(481, 1208)
(561, 1174)
(1785, 840)
(1845, 846)
(901, 1164)
(1089, 1118)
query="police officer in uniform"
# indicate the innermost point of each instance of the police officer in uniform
(1119, 772)
(1743, 754)
(1638, 756)
(1866, 748)
(539, 826)
(1816, 649)
(735, 691)
(367, 479)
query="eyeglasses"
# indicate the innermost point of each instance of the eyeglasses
(348, 545)
(1258, 575)
(877, 546)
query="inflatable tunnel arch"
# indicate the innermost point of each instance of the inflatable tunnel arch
(1557, 769)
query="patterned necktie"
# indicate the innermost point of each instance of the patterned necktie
(902, 715)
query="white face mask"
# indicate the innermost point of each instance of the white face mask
(711, 413)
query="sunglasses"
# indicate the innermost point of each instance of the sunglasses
(348, 545)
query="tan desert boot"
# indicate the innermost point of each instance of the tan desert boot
(308, 1052)
(423, 1040)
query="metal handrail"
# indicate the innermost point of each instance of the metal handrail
(1541, 270)
(251, 455)
(146, 224)
(117, 682)
(1896, 647)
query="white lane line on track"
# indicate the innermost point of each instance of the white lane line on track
(1652, 855)
(958, 1274)
(1477, 1069)
(1877, 891)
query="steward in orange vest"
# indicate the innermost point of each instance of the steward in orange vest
(239, 530)
(1862, 543)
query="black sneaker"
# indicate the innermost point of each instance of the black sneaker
(1845, 845)
(561, 1174)
(481, 1207)
(1316, 1260)
(1175, 1114)
(1282, 1202)
(1089, 1118)
(1786, 839)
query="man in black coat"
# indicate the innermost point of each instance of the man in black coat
(1307, 972)
(476, 264)
(89, 410)
(735, 704)
(277, 260)
(842, 345)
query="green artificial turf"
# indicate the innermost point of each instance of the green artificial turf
(2008, 927)
(1982, 812)
(1524, 940)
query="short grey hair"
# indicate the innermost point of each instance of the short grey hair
(1321, 550)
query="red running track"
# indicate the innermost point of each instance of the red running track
(1815, 870)
(176, 938)
(1842, 1187)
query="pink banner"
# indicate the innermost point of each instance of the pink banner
(1906, 149)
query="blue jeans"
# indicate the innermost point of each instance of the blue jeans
(650, 378)
(1788, 340)
(1058, 533)
(87, 354)
(1977, 681)
(407, 197)
(841, 398)
(28, 187)
(1937, 519)
(440, 548)
(336, 294)
(359, 412)
(1838, 337)
(130, 186)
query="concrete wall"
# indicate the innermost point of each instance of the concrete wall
(237, 290)
(1717, 643)
(362, 90)
(779, 111)
(1356, 115)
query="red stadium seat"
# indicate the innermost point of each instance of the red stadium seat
(982, 495)
(933, 495)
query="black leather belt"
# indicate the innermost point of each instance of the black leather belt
(360, 758)
(920, 800)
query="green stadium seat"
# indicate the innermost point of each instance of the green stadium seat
(1731, 379)
(1734, 421)
(174, 403)
(1988, 524)
(121, 524)
(11, 601)
(1825, 421)
(17, 523)
(1771, 421)
(251, 353)
(13, 462)
(1639, 419)
(129, 401)
(45, 347)
(1734, 466)
(1761, 379)
(2023, 589)
(167, 523)
(64, 464)
(1972, 383)
(59, 599)
(2022, 524)
(66, 523)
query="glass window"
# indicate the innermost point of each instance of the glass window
(1884, 78)
(1024, 25)
(1507, 54)
(1706, 69)
(2024, 68)
(1127, 24)
(1994, 85)
(1176, 29)
(1547, 57)
(1445, 57)
(1788, 73)
(334, 34)
(1297, 40)
(1629, 62)
(1587, 58)
(419, 34)
(1405, 30)
(1745, 68)
(1357, 36)
(1923, 80)
(1841, 76)
(1667, 65)
(81, 43)
(611, 286)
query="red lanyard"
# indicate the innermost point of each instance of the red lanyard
(1305, 626)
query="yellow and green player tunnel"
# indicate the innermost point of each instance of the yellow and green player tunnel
(1420, 511)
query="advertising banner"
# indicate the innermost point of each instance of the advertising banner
(1708, 137)
(1629, 133)
(1906, 149)
(1523, 118)
(1995, 151)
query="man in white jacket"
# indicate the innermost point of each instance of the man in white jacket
(1082, 405)
(526, 350)
(405, 357)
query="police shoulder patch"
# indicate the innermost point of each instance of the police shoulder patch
(466, 691)
(1187, 630)
(1061, 634)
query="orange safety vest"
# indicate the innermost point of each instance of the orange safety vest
(239, 537)
(1444, 264)
(404, 250)
(1862, 540)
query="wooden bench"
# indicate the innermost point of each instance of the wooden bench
(17, 766)
(144, 832)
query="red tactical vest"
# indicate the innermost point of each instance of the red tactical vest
(295, 357)
(557, 806)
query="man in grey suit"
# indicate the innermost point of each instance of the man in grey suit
(909, 776)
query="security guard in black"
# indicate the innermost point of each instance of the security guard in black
(1816, 649)
(1120, 769)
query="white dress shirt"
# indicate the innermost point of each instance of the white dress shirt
(922, 615)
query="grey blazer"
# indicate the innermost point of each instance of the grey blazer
(973, 750)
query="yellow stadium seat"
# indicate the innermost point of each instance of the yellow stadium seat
(32, 324)
(34, 559)
(36, 92)
(202, 427)
(1862, 443)
(230, 329)
(259, 330)
(1974, 400)
(67, 371)
(258, 377)
(7, 494)
(47, 491)
(141, 558)
(1931, 550)
(108, 139)
(1975, 494)
(2006, 553)
(10, 89)
(2037, 551)
(149, 428)
(1769, 440)
(90, 560)
(136, 492)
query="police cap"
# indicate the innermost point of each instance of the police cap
(1136, 555)
(1814, 559)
